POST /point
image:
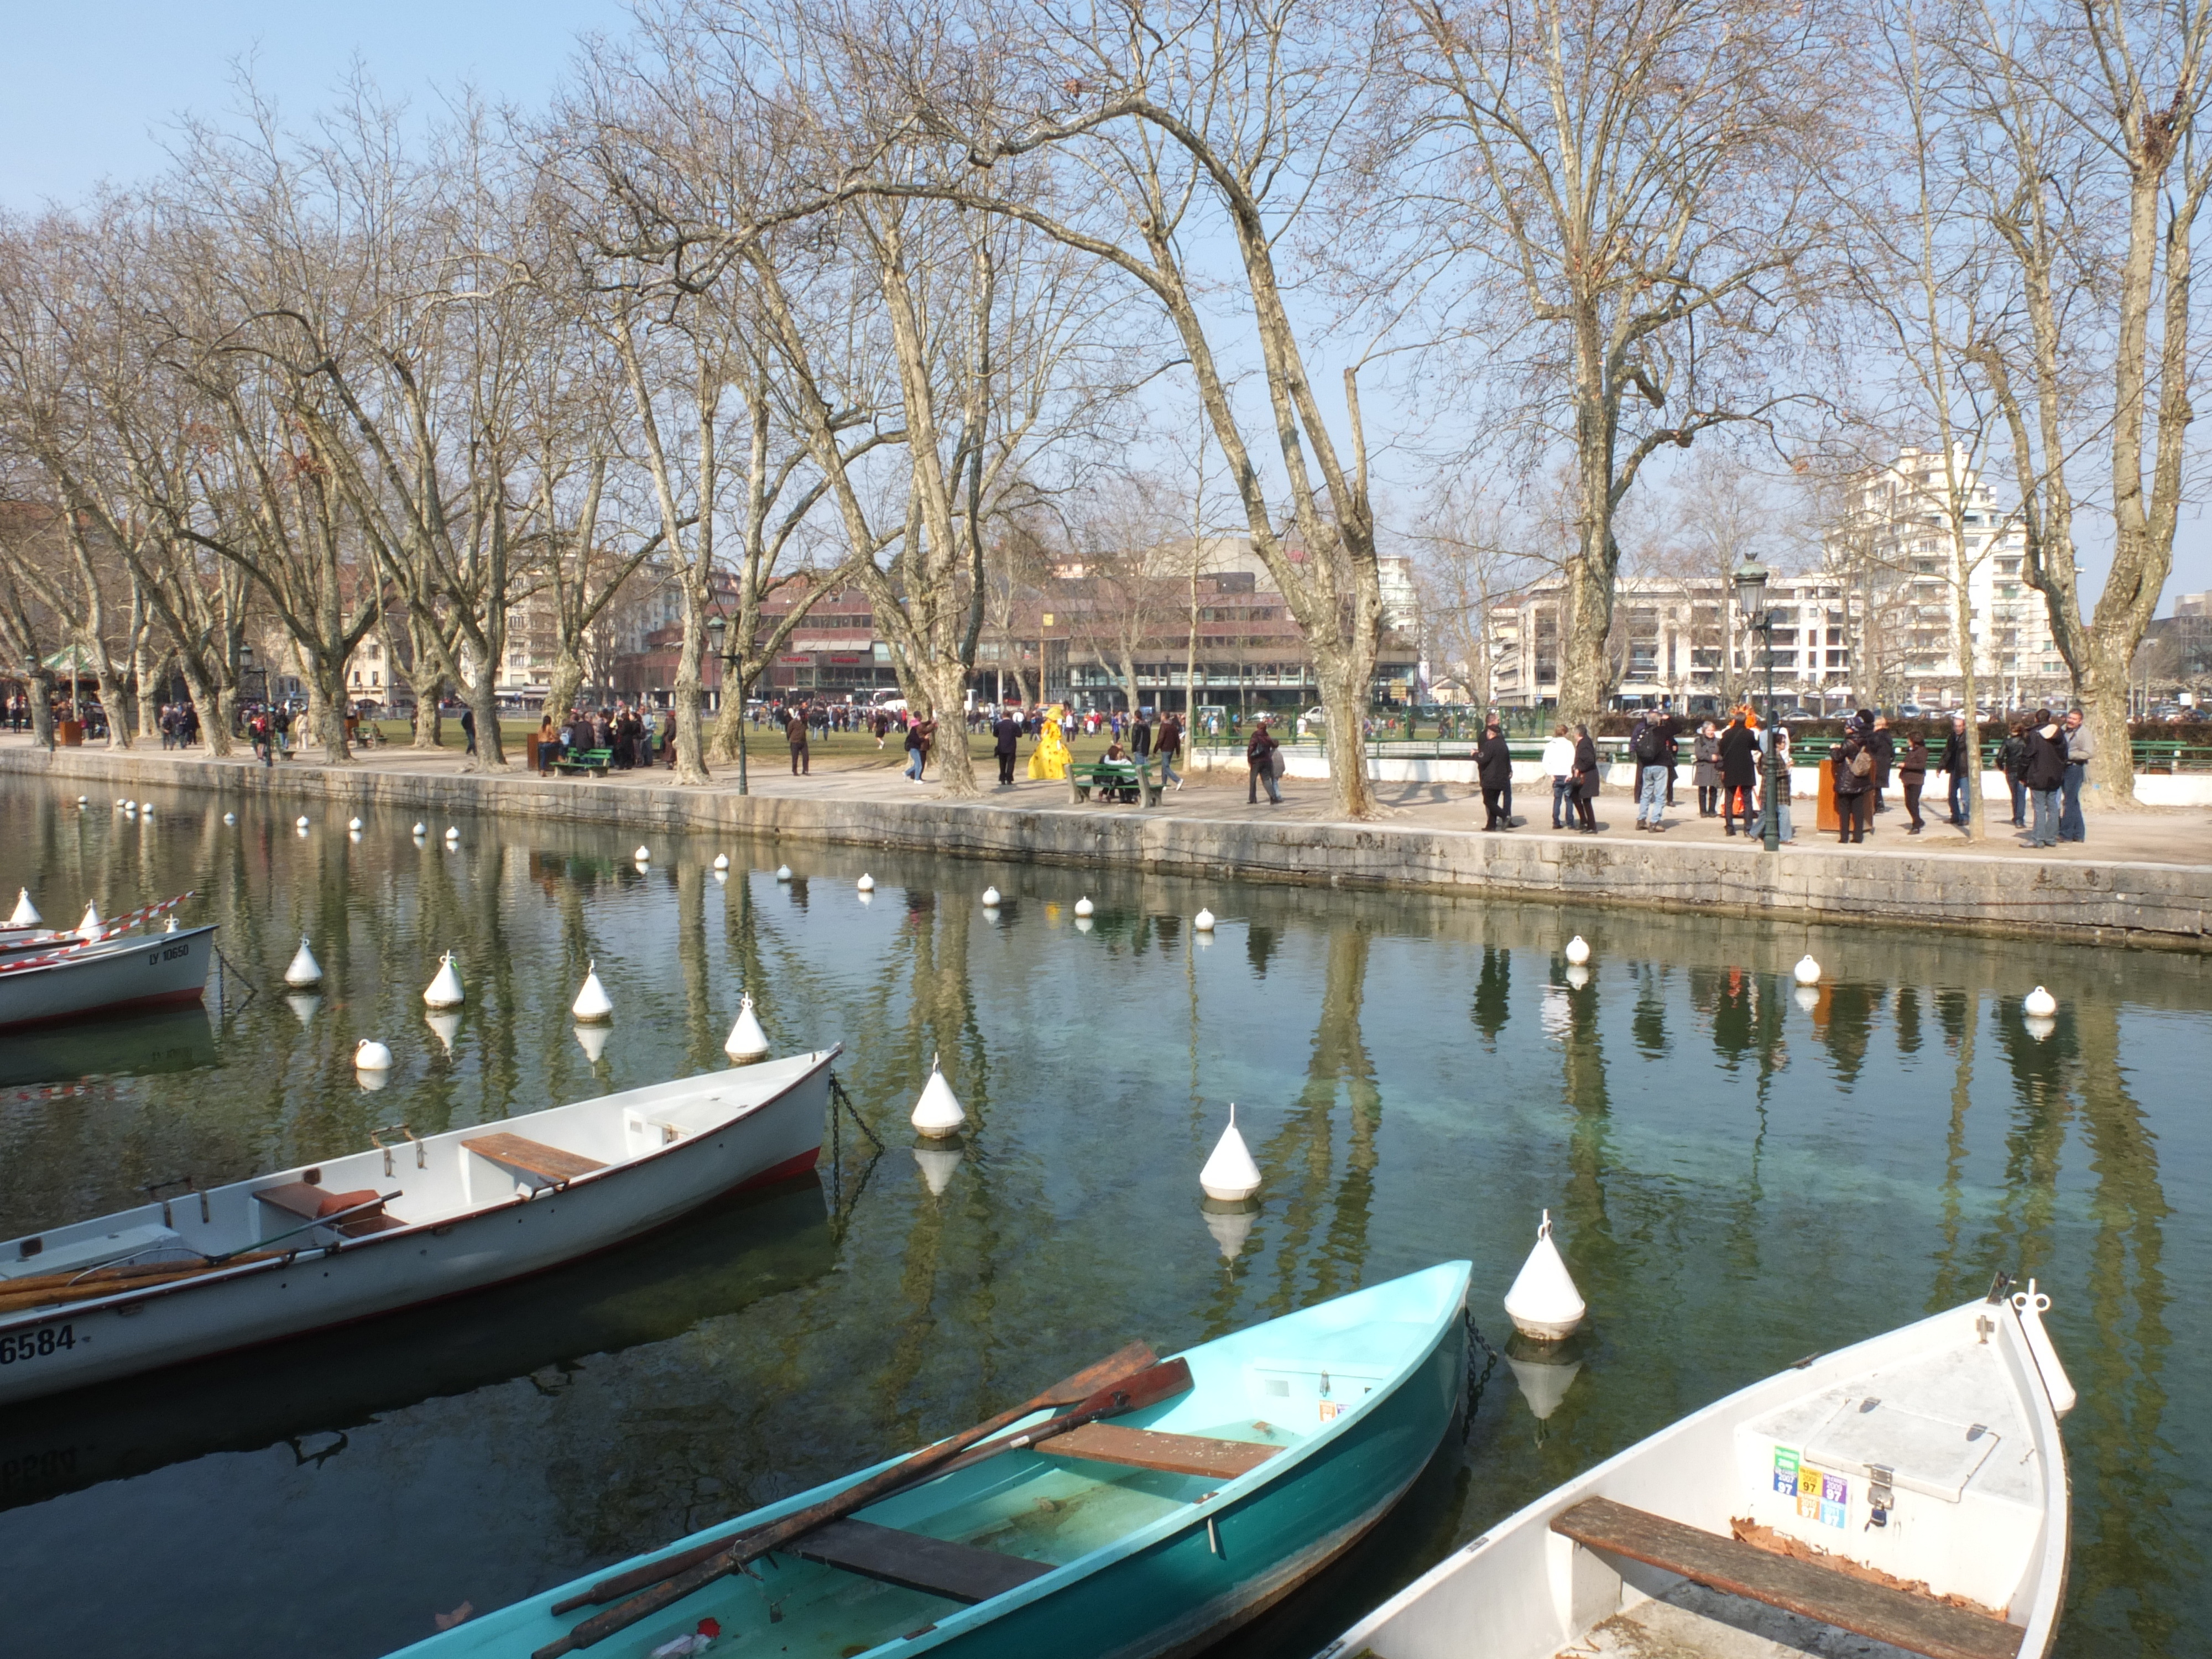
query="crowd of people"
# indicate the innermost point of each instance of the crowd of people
(624, 731)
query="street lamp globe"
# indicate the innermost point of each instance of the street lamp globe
(1750, 579)
(718, 629)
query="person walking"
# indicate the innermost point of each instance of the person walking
(795, 734)
(2013, 757)
(1883, 747)
(1493, 769)
(1648, 745)
(1005, 733)
(2079, 752)
(1706, 753)
(1739, 759)
(1558, 763)
(469, 728)
(1140, 737)
(1912, 775)
(1854, 773)
(1170, 745)
(2047, 766)
(918, 735)
(1955, 762)
(1259, 757)
(1585, 779)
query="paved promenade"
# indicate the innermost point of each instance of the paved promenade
(2142, 878)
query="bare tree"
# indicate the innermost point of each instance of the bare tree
(1616, 199)
(2090, 173)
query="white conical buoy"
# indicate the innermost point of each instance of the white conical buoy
(867, 883)
(300, 823)
(170, 925)
(990, 898)
(2030, 1305)
(445, 1024)
(147, 810)
(1230, 1224)
(2040, 1004)
(84, 801)
(27, 913)
(129, 809)
(746, 1042)
(644, 854)
(1230, 1174)
(370, 1055)
(1544, 1303)
(721, 860)
(453, 832)
(1203, 922)
(304, 969)
(445, 991)
(1578, 950)
(593, 1040)
(91, 924)
(230, 817)
(353, 824)
(938, 1164)
(420, 831)
(593, 1004)
(1808, 971)
(783, 872)
(1084, 906)
(939, 1112)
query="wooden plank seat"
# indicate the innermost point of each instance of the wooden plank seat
(313, 1203)
(595, 761)
(1916, 1623)
(1153, 1449)
(935, 1566)
(548, 1166)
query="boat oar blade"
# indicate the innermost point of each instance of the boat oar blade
(1116, 1369)
(1148, 1388)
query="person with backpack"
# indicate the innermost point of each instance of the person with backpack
(1654, 737)
(1259, 757)
(1854, 771)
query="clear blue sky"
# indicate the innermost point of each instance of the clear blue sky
(93, 83)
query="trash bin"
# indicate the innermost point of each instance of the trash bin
(69, 733)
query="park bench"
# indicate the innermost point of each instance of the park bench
(1131, 780)
(596, 761)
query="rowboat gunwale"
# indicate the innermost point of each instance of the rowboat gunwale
(17, 979)
(2048, 1560)
(506, 1629)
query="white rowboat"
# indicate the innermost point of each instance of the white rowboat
(108, 975)
(1910, 1489)
(203, 1272)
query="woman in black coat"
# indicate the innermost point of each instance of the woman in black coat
(1854, 771)
(1585, 779)
(1739, 758)
(1493, 769)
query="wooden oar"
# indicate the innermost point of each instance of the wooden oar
(1148, 1388)
(54, 1289)
(1095, 1387)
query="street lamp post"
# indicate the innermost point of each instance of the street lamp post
(1751, 599)
(718, 629)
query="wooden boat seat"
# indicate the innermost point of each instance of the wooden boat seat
(1919, 1624)
(935, 1566)
(313, 1203)
(1154, 1449)
(547, 1166)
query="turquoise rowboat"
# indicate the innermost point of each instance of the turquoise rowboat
(1148, 1536)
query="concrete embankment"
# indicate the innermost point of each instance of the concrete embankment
(2137, 903)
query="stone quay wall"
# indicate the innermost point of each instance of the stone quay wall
(2140, 904)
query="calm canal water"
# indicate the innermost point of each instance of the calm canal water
(1737, 1179)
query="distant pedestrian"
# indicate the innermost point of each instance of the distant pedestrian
(469, 728)
(1883, 747)
(2047, 761)
(1913, 776)
(795, 734)
(1260, 759)
(918, 735)
(1585, 776)
(1005, 734)
(2080, 749)
(1854, 770)
(1558, 764)
(1706, 753)
(1957, 759)
(1654, 733)
(1493, 768)
(2013, 757)
(1738, 753)
(1169, 746)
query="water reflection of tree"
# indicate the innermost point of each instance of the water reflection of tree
(1325, 1214)
(1583, 1079)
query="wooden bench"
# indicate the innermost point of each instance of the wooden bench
(1132, 780)
(547, 1166)
(1152, 1449)
(313, 1204)
(598, 762)
(1919, 1624)
(935, 1566)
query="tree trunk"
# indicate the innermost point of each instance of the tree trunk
(205, 705)
(1585, 624)
(484, 703)
(1343, 673)
(566, 681)
(40, 685)
(2102, 686)
(690, 755)
(944, 685)
(327, 702)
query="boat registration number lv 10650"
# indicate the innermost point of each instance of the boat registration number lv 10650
(47, 1339)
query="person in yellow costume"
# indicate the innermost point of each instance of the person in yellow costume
(1050, 757)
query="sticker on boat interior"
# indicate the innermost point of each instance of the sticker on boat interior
(1785, 1471)
(1822, 1497)
(1331, 1410)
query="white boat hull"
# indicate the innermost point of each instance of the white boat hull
(474, 1232)
(155, 971)
(1999, 1537)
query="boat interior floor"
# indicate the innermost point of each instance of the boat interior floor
(1693, 1622)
